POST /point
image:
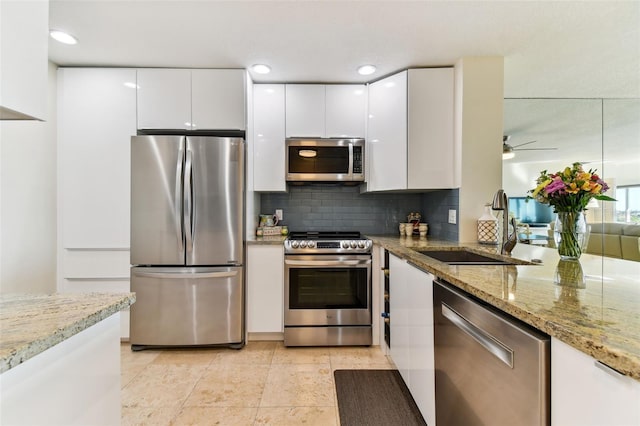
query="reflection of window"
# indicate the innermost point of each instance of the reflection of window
(628, 204)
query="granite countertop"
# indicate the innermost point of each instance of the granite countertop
(602, 319)
(268, 240)
(32, 323)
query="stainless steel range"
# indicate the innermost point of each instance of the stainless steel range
(327, 298)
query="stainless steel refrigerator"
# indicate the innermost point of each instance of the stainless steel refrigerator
(187, 204)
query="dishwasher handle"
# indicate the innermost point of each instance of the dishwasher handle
(487, 341)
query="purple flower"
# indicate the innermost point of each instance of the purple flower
(554, 186)
(604, 185)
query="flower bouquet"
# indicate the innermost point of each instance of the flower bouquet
(569, 191)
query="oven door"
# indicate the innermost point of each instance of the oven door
(327, 290)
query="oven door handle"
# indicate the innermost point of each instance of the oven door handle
(327, 262)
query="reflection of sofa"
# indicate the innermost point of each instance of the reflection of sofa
(621, 240)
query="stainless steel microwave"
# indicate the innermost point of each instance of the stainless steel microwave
(325, 160)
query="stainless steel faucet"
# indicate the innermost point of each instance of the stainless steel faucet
(501, 202)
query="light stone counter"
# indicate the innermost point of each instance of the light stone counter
(33, 323)
(272, 240)
(601, 320)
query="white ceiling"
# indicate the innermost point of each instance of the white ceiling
(551, 49)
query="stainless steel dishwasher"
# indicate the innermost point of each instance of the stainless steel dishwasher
(491, 369)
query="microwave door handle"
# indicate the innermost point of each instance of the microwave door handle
(350, 171)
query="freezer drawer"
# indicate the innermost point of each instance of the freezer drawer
(491, 369)
(187, 306)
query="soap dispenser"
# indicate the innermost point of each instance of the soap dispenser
(488, 227)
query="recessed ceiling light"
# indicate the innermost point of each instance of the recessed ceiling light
(366, 69)
(63, 37)
(261, 68)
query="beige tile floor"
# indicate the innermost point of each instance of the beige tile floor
(264, 383)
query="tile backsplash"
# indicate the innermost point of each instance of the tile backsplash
(344, 208)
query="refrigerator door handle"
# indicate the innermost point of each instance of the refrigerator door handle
(183, 275)
(178, 200)
(188, 201)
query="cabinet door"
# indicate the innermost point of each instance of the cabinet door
(164, 99)
(268, 137)
(387, 133)
(218, 99)
(399, 305)
(584, 392)
(346, 106)
(96, 119)
(421, 346)
(305, 110)
(431, 153)
(24, 31)
(265, 289)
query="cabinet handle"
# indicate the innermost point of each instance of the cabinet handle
(610, 370)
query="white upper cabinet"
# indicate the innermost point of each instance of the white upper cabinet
(387, 134)
(191, 99)
(96, 119)
(431, 154)
(411, 131)
(326, 111)
(218, 99)
(24, 31)
(346, 106)
(164, 99)
(305, 106)
(268, 137)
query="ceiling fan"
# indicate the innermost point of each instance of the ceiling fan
(509, 151)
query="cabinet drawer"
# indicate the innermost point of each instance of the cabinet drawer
(95, 285)
(83, 264)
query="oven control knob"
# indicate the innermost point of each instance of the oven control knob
(361, 244)
(345, 244)
(354, 244)
(294, 244)
(303, 244)
(311, 244)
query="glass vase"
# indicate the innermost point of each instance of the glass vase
(569, 234)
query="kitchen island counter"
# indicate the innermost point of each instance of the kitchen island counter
(60, 358)
(32, 323)
(601, 320)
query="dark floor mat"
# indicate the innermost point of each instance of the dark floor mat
(375, 397)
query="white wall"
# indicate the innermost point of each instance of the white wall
(479, 117)
(28, 201)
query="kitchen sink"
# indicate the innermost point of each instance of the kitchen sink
(464, 257)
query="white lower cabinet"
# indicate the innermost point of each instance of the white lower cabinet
(412, 346)
(265, 288)
(96, 271)
(585, 392)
